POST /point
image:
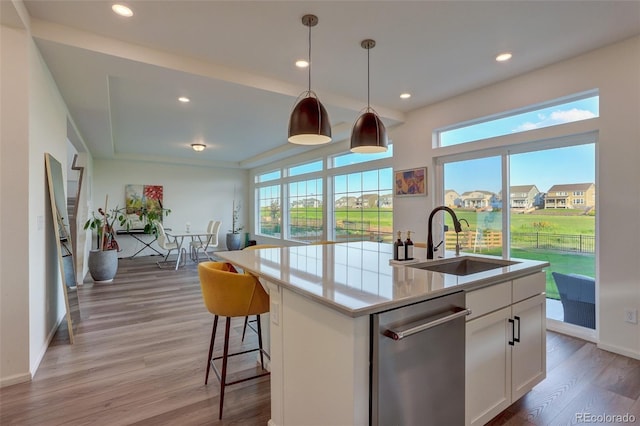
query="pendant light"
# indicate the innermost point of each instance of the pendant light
(368, 134)
(309, 121)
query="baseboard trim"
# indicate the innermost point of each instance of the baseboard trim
(572, 330)
(15, 379)
(43, 350)
(619, 350)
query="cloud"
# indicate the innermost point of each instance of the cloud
(556, 117)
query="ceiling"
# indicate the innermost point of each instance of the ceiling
(121, 77)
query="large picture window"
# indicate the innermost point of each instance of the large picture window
(339, 197)
(270, 214)
(363, 206)
(305, 210)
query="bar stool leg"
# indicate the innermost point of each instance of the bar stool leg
(260, 342)
(213, 338)
(244, 329)
(223, 376)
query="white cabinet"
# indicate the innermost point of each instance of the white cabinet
(505, 345)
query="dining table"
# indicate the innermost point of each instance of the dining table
(179, 237)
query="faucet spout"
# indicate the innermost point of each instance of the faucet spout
(456, 225)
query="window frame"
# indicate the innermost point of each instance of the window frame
(327, 174)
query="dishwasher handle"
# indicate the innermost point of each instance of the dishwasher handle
(401, 333)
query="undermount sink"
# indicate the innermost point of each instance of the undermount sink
(465, 265)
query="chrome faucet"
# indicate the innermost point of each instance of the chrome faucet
(456, 225)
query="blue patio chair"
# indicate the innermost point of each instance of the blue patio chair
(578, 297)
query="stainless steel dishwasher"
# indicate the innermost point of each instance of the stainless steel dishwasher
(418, 364)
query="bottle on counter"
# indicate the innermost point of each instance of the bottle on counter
(398, 248)
(408, 247)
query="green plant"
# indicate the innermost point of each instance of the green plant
(103, 226)
(235, 228)
(148, 217)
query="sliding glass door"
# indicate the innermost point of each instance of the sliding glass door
(536, 204)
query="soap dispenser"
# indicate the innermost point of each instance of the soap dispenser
(398, 248)
(408, 247)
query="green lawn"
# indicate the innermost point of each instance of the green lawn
(567, 263)
(563, 222)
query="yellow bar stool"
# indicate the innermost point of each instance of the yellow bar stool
(229, 294)
(254, 247)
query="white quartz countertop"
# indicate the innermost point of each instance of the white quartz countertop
(356, 278)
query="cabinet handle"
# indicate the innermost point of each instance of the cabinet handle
(512, 338)
(399, 334)
(517, 339)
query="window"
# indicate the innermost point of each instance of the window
(265, 177)
(353, 158)
(578, 193)
(363, 206)
(341, 197)
(306, 221)
(315, 166)
(559, 230)
(478, 184)
(551, 114)
(270, 214)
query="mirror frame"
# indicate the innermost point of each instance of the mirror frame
(66, 262)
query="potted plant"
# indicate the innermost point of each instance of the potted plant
(148, 217)
(234, 240)
(103, 260)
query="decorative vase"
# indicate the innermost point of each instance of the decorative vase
(234, 241)
(103, 265)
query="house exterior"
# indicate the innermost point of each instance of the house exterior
(345, 201)
(524, 197)
(571, 196)
(478, 199)
(452, 198)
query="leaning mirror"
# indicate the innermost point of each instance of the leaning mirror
(63, 242)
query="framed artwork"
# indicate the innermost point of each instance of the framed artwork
(139, 197)
(410, 182)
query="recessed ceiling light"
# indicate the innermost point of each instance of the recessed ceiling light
(301, 63)
(198, 147)
(504, 57)
(122, 10)
(405, 95)
(184, 99)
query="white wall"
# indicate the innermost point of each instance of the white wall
(194, 194)
(15, 216)
(32, 301)
(615, 71)
(47, 133)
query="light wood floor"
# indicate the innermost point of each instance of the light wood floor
(140, 358)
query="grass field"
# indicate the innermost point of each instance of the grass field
(567, 263)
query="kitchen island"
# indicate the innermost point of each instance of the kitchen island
(323, 298)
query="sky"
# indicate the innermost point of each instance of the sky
(544, 169)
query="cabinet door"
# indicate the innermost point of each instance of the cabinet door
(488, 367)
(529, 354)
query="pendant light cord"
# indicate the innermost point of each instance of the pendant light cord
(309, 59)
(368, 81)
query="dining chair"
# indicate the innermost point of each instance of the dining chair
(166, 243)
(229, 294)
(211, 241)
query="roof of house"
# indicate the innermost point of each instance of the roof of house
(522, 188)
(571, 187)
